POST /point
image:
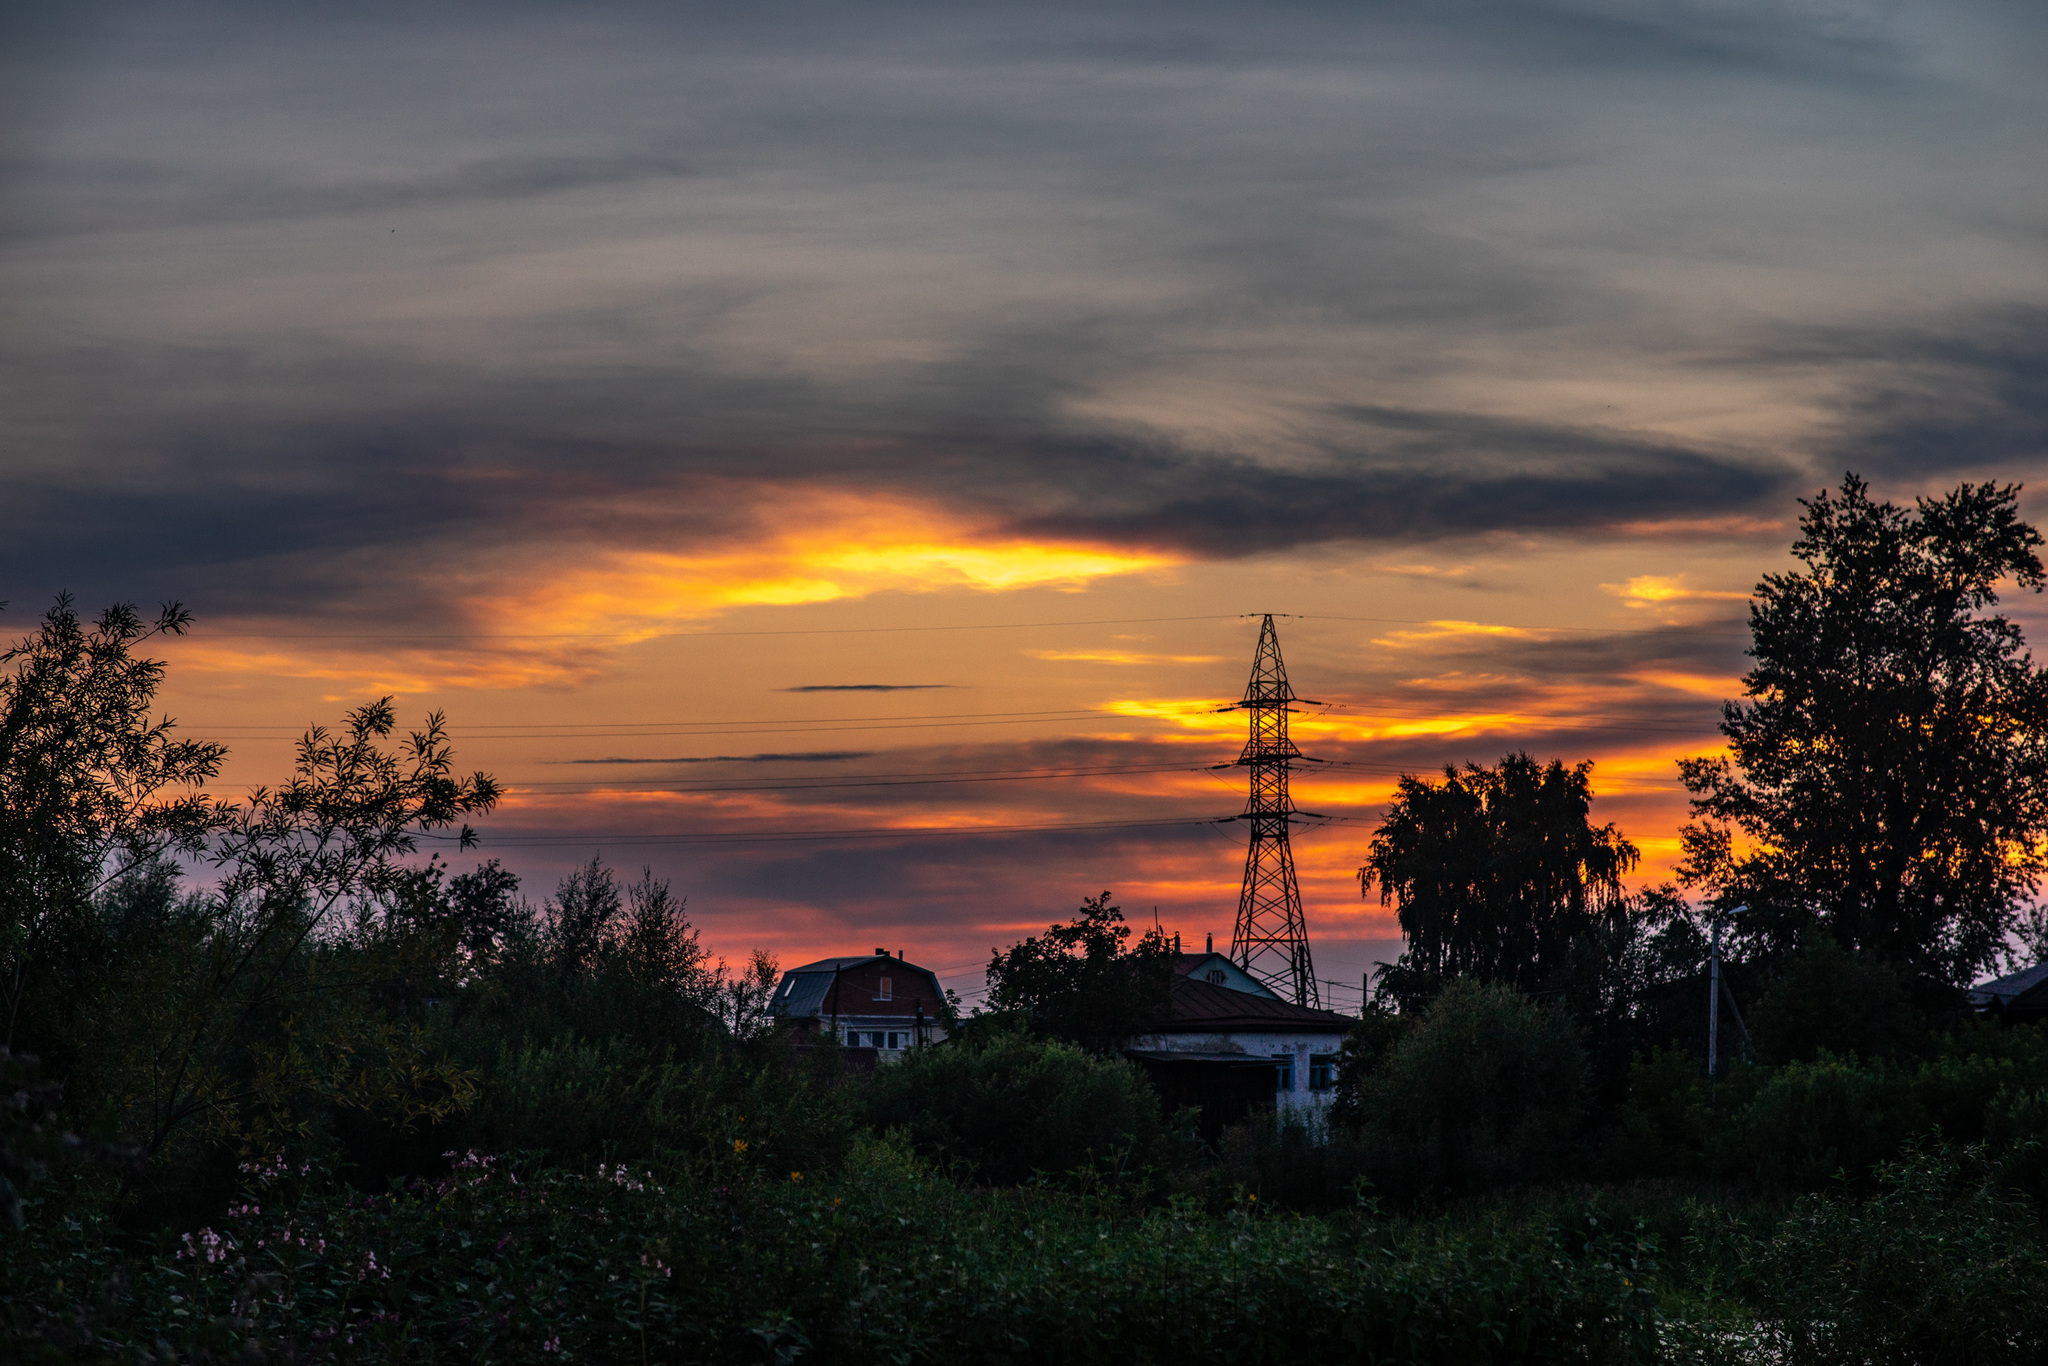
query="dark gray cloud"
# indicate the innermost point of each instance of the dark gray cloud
(868, 687)
(822, 756)
(1161, 275)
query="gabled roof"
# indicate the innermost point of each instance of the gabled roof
(1200, 965)
(804, 991)
(1204, 1006)
(2005, 991)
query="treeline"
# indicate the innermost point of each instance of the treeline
(278, 1088)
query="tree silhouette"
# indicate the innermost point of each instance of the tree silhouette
(1887, 780)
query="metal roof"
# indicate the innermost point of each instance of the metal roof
(2009, 988)
(1173, 1057)
(1204, 1005)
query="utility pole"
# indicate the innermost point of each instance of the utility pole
(1271, 938)
(1714, 1005)
(1717, 990)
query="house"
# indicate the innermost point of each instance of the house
(2015, 997)
(873, 1002)
(1228, 1045)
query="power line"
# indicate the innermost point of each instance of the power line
(680, 635)
(512, 730)
(775, 728)
(779, 836)
(816, 785)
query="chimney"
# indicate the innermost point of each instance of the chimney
(1176, 943)
(881, 953)
(1212, 943)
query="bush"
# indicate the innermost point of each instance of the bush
(1011, 1107)
(1293, 1161)
(1487, 1090)
(1945, 1265)
(1824, 998)
(1808, 1122)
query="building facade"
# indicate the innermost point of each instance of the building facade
(875, 1002)
(1223, 1024)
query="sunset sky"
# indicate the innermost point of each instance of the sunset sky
(829, 453)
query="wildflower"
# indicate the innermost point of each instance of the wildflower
(739, 1145)
(553, 1344)
(796, 1176)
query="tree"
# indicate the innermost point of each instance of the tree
(1078, 982)
(1498, 874)
(229, 1042)
(1887, 780)
(91, 787)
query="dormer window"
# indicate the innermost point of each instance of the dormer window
(882, 992)
(1215, 975)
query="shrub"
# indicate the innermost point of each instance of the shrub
(1824, 998)
(1944, 1265)
(1488, 1089)
(1807, 1122)
(1292, 1161)
(1010, 1107)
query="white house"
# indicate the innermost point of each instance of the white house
(1226, 1036)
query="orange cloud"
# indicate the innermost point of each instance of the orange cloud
(1651, 590)
(1119, 657)
(1444, 630)
(550, 619)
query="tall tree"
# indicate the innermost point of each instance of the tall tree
(1079, 981)
(1887, 780)
(92, 786)
(1498, 873)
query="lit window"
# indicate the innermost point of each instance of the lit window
(1322, 1071)
(882, 994)
(1283, 1071)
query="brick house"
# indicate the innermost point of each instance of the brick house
(875, 1002)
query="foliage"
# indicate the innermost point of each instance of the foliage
(1498, 874)
(888, 1262)
(1079, 981)
(1825, 998)
(963, 1104)
(90, 788)
(1890, 773)
(253, 1024)
(1293, 1159)
(1486, 1089)
(1944, 1265)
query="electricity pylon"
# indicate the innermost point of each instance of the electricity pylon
(1271, 940)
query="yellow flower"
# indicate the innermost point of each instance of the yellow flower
(796, 1176)
(1251, 1197)
(739, 1145)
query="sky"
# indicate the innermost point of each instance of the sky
(837, 455)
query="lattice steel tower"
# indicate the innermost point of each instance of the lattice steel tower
(1271, 941)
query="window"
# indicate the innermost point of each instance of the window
(1283, 1068)
(882, 992)
(1215, 975)
(895, 1040)
(1322, 1071)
